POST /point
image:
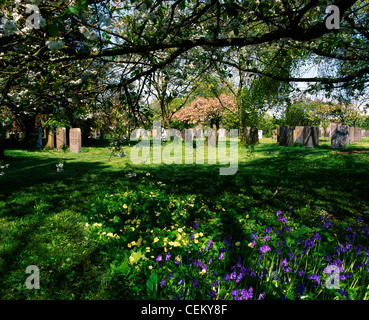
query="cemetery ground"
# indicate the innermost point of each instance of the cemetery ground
(105, 229)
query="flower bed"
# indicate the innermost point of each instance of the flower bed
(157, 247)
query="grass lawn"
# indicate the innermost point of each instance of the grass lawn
(183, 231)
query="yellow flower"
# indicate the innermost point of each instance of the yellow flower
(201, 234)
(147, 249)
(131, 260)
(125, 206)
(132, 228)
(180, 229)
(156, 239)
(247, 216)
(237, 243)
(196, 241)
(250, 245)
(133, 243)
(150, 267)
(203, 271)
(129, 245)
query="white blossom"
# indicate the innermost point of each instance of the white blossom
(54, 45)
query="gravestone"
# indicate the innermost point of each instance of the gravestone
(340, 136)
(50, 144)
(221, 133)
(286, 136)
(310, 137)
(321, 131)
(274, 134)
(61, 138)
(260, 134)
(363, 134)
(75, 140)
(299, 134)
(357, 134)
(352, 134)
(211, 140)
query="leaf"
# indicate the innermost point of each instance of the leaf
(152, 285)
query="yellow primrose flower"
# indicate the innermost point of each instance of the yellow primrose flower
(201, 234)
(147, 249)
(180, 229)
(203, 271)
(237, 243)
(250, 245)
(156, 239)
(129, 245)
(196, 241)
(125, 206)
(247, 216)
(131, 260)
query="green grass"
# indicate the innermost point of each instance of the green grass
(43, 213)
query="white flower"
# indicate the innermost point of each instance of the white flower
(79, 81)
(54, 45)
(8, 27)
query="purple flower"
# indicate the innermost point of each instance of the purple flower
(221, 256)
(227, 277)
(254, 236)
(235, 293)
(247, 294)
(212, 294)
(209, 245)
(301, 289)
(279, 213)
(284, 265)
(266, 238)
(315, 277)
(162, 283)
(195, 283)
(180, 282)
(264, 248)
(167, 256)
(159, 258)
(282, 219)
(268, 229)
(233, 275)
(215, 283)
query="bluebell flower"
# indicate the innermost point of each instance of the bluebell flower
(209, 245)
(227, 277)
(162, 283)
(301, 289)
(264, 248)
(212, 294)
(268, 229)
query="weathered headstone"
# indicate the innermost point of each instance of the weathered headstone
(260, 134)
(50, 144)
(357, 134)
(352, 134)
(310, 137)
(75, 140)
(363, 132)
(61, 138)
(299, 134)
(221, 133)
(340, 136)
(274, 134)
(286, 136)
(321, 131)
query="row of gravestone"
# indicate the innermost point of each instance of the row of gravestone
(58, 139)
(308, 136)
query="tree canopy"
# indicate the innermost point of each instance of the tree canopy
(65, 54)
